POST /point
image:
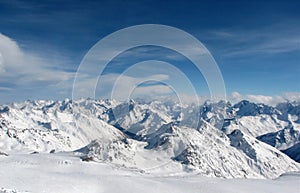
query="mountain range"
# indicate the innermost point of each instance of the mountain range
(219, 139)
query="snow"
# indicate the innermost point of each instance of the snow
(64, 172)
(257, 125)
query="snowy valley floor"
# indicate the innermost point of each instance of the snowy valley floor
(62, 172)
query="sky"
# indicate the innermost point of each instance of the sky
(256, 45)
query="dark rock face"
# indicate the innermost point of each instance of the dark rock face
(237, 140)
(293, 152)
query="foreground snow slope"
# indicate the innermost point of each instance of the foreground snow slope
(65, 173)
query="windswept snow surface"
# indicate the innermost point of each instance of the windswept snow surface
(65, 173)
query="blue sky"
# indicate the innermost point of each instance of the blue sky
(256, 44)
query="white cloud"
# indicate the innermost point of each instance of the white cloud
(27, 75)
(270, 100)
(114, 86)
(122, 87)
(292, 96)
(4, 89)
(1, 64)
(26, 69)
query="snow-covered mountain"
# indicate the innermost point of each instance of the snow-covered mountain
(215, 139)
(282, 139)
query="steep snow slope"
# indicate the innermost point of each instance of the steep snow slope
(46, 125)
(237, 155)
(207, 151)
(255, 125)
(277, 126)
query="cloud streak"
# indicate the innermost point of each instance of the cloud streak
(273, 39)
(20, 70)
(265, 99)
(25, 68)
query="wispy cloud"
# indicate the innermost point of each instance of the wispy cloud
(273, 39)
(236, 97)
(265, 99)
(22, 70)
